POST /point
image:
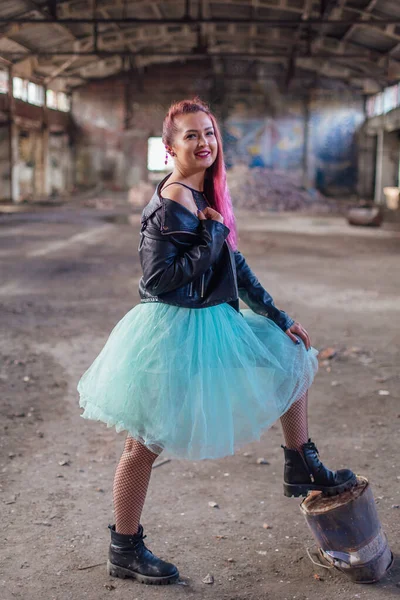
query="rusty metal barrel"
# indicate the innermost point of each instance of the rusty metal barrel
(348, 532)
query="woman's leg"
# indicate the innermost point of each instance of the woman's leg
(295, 424)
(131, 481)
(303, 469)
(128, 555)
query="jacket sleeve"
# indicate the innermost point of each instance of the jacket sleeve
(166, 267)
(255, 296)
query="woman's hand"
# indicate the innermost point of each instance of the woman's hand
(297, 329)
(210, 213)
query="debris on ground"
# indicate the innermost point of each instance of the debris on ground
(366, 215)
(11, 500)
(330, 354)
(262, 461)
(213, 504)
(80, 568)
(274, 190)
(327, 354)
(208, 578)
(109, 586)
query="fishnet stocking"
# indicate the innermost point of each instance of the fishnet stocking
(295, 424)
(131, 481)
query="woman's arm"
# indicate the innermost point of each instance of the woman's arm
(167, 267)
(256, 297)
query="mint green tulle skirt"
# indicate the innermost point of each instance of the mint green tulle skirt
(198, 383)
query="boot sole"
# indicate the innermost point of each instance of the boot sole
(298, 490)
(116, 571)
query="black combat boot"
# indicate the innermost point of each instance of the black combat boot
(305, 472)
(129, 557)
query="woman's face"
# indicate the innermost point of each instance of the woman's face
(195, 145)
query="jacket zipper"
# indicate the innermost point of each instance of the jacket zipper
(202, 286)
(171, 232)
(191, 289)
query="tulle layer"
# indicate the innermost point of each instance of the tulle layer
(198, 383)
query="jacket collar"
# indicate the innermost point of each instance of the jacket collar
(155, 201)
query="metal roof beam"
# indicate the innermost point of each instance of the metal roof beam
(155, 52)
(289, 23)
(365, 16)
(39, 8)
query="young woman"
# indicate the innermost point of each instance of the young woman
(185, 370)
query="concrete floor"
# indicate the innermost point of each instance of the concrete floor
(67, 276)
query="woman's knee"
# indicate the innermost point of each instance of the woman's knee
(136, 450)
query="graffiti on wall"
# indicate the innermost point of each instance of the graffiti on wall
(277, 142)
(334, 148)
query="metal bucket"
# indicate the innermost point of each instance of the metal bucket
(348, 532)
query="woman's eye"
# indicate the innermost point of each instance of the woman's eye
(193, 134)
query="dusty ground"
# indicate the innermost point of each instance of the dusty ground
(66, 278)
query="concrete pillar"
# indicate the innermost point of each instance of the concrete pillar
(13, 141)
(46, 178)
(306, 143)
(387, 163)
(378, 168)
(366, 161)
(14, 155)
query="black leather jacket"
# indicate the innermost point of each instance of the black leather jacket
(187, 262)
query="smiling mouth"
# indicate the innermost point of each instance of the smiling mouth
(203, 154)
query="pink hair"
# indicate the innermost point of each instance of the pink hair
(215, 185)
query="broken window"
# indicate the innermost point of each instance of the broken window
(28, 91)
(3, 82)
(383, 102)
(58, 101)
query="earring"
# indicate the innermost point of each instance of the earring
(166, 158)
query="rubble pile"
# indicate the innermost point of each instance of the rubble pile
(273, 190)
(259, 188)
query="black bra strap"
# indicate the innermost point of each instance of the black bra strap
(184, 184)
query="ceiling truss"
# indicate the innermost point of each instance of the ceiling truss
(353, 40)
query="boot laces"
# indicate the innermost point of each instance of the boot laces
(141, 542)
(311, 446)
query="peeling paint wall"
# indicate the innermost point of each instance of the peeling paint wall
(99, 123)
(114, 118)
(4, 163)
(313, 133)
(59, 167)
(34, 153)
